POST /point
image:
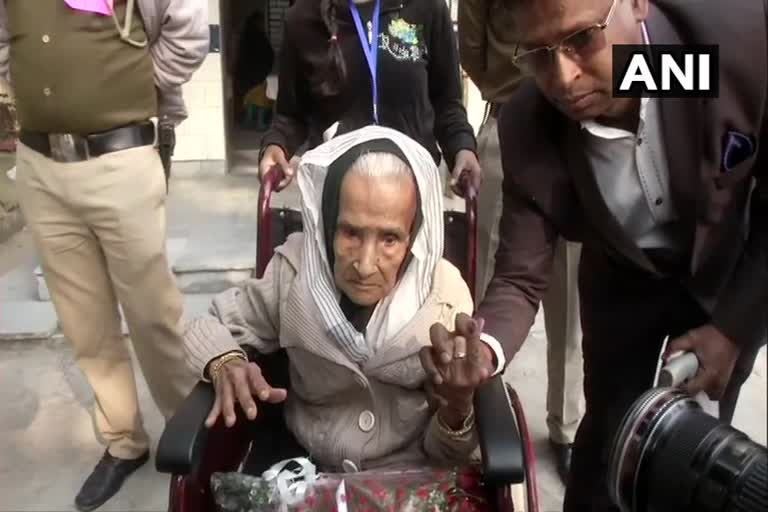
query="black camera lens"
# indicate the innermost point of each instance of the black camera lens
(670, 455)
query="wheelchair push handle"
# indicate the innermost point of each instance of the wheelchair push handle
(272, 179)
(269, 184)
(679, 369)
(468, 191)
(470, 201)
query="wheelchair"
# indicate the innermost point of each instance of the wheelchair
(191, 453)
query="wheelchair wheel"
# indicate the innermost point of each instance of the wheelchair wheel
(523, 497)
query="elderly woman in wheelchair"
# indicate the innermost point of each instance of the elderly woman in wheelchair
(352, 300)
(385, 366)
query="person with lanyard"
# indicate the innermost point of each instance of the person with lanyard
(392, 63)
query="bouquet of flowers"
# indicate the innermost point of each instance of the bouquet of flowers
(403, 489)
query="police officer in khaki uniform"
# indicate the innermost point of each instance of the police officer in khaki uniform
(487, 59)
(88, 87)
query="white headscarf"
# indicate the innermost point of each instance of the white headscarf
(415, 284)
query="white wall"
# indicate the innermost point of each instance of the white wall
(213, 12)
(475, 104)
(201, 136)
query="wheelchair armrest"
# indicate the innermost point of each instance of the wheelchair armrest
(182, 444)
(188, 447)
(500, 442)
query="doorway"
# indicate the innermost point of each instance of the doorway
(251, 33)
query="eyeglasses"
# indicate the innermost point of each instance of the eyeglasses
(540, 59)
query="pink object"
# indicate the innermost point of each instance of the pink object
(98, 6)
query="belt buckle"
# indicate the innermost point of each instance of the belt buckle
(68, 147)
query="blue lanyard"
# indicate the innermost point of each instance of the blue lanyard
(370, 49)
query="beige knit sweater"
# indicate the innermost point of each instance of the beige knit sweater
(373, 415)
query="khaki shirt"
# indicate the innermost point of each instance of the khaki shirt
(486, 50)
(72, 73)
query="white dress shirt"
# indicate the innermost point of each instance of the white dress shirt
(632, 174)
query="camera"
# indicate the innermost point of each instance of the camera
(670, 455)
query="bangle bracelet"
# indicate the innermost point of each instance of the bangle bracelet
(218, 363)
(466, 427)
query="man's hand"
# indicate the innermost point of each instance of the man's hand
(717, 356)
(466, 161)
(275, 156)
(456, 363)
(240, 381)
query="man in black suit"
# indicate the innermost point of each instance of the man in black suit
(668, 196)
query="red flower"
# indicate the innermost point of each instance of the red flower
(466, 481)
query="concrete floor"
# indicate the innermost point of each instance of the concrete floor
(47, 444)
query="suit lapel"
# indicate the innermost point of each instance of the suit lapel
(596, 209)
(681, 124)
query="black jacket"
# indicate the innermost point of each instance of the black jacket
(420, 91)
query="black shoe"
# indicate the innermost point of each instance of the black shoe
(107, 478)
(562, 454)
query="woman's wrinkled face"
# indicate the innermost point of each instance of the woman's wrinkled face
(372, 238)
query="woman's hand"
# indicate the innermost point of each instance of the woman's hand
(466, 161)
(456, 364)
(240, 381)
(275, 156)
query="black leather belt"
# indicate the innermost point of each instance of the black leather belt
(69, 147)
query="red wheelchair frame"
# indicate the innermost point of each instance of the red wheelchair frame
(191, 453)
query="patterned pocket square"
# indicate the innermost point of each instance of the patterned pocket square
(736, 148)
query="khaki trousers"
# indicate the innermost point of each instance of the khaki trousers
(100, 230)
(565, 402)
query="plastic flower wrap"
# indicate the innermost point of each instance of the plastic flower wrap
(294, 486)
